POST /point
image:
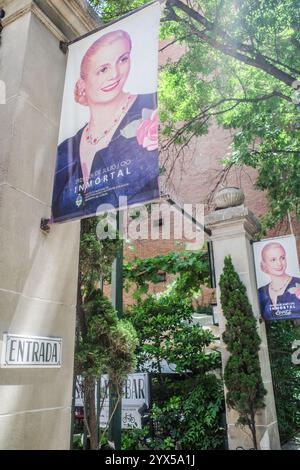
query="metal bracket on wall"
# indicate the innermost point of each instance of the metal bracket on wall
(45, 225)
(63, 46)
(2, 15)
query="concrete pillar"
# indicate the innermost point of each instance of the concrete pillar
(232, 230)
(38, 272)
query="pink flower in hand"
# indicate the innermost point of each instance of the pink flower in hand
(147, 132)
(297, 292)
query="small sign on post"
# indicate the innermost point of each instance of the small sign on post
(135, 396)
(31, 351)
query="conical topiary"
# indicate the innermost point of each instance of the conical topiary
(242, 373)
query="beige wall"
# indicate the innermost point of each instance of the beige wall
(38, 272)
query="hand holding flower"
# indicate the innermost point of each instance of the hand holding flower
(295, 290)
(147, 132)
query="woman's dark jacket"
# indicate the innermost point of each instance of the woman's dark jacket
(288, 304)
(124, 168)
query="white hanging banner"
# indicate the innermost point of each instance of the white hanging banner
(107, 155)
(278, 277)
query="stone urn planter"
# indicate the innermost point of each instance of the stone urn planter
(229, 197)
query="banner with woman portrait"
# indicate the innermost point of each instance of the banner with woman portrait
(107, 154)
(278, 277)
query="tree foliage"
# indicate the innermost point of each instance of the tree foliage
(187, 406)
(190, 267)
(109, 10)
(286, 376)
(109, 343)
(163, 321)
(104, 344)
(165, 332)
(240, 68)
(242, 371)
(188, 416)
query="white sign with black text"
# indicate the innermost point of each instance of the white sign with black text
(31, 351)
(135, 395)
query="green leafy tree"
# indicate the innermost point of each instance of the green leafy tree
(111, 9)
(187, 406)
(165, 332)
(104, 344)
(240, 68)
(189, 417)
(163, 321)
(286, 376)
(242, 371)
(190, 267)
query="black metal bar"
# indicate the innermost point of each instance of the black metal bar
(112, 22)
(98, 391)
(212, 271)
(73, 411)
(189, 216)
(115, 404)
(45, 225)
(63, 46)
(2, 15)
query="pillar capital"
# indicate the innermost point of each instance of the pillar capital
(66, 19)
(232, 222)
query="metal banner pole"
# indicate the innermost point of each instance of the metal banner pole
(115, 406)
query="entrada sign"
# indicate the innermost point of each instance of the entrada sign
(31, 351)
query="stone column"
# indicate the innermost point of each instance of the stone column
(233, 229)
(38, 272)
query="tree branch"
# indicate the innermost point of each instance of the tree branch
(169, 44)
(205, 115)
(231, 46)
(297, 72)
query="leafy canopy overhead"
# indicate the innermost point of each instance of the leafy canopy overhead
(240, 68)
(110, 10)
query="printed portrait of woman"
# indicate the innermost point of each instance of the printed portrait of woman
(115, 153)
(280, 297)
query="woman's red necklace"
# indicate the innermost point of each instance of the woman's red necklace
(95, 139)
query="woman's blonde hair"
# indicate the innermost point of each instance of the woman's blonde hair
(108, 38)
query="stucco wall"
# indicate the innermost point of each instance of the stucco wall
(38, 272)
